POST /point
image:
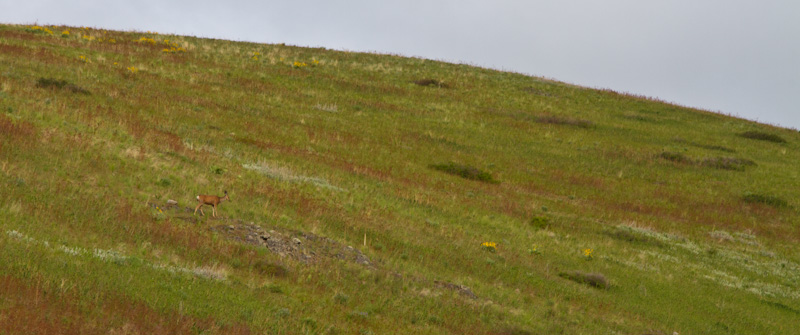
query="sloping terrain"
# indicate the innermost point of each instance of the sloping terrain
(373, 194)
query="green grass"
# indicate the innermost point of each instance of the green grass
(765, 199)
(413, 162)
(763, 136)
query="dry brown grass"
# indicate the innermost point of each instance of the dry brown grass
(16, 130)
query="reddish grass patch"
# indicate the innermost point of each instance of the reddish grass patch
(169, 139)
(30, 307)
(16, 130)
(13, 50)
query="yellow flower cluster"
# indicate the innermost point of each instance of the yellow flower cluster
(132, 69)
(83, 59)
(88, 37)
(588, 253)
(255, 55)
(41, 29)
(65, 33)
(172, 47)
(146, 40)
(299, 65)
(489, 246)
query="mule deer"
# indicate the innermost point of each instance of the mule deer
(211, 200)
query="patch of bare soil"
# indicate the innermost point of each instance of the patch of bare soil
(301, 246)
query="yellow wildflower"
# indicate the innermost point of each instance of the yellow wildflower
(588, 253)
(42, 29)
(489, 246)
(148, 40)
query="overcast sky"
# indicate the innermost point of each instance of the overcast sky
(731, 56)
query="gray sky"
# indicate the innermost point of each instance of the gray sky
(732, 56)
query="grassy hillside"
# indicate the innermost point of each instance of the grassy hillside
(373, 194)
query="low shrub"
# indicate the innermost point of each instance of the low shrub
(465, 171)
(728, 163)
(540, 222)
(60, 84)
(270, 269)
(676, 157)
(634, 235)
(513, 331)
(551, 119)
(765, 199)
(762, 136)
(722, 163)
(596, 280)
(713, 147)
(431, 82)
(705, 146)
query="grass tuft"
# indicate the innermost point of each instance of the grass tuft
(762, 136)
(676, 157)
(466, 172)
(594, 279)
(705, 146)
(728, 163)
(551, 119)
(540, 222)
(431, 83)
(769, 200)
(60, 84)
(271, 269)
(722, 163)
(635, 235)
